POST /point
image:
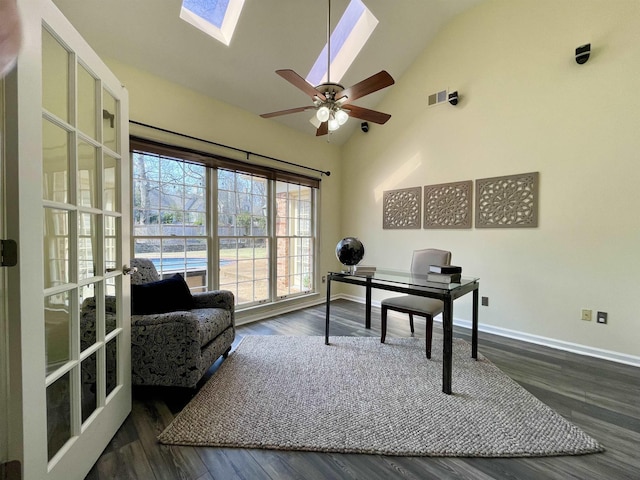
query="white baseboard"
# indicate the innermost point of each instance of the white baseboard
(529, 338)
(262, 312)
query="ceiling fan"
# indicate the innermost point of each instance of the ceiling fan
(331, 101)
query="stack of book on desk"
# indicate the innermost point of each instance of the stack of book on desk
(444, 274)
(365, 270)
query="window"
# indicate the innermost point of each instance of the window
(347, 39)
(294, 237)
(243, 241)
(216, 18)
(170, 217)
(260, 238)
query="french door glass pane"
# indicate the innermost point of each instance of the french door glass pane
(109, 121)
(58, 414)
(89, 386)
(86, 247)
(111, 175)
(87, 178)
(57, 321)
(56, 247)
(112, 364)
(111, 318)
(110, 290)
(86, 102)
(55, 70)
(111, 235)
(55, 163)
(90, 308)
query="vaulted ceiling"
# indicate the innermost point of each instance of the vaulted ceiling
(270, 35)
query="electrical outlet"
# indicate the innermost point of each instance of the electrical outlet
(485, 301)
(601, 317)
(586, 315)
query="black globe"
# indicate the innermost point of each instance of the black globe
(349, 251)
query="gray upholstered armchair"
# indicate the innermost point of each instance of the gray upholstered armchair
(176, 348)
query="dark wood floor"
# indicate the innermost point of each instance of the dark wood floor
(601, 397)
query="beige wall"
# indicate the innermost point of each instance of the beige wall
(525, 106)
(156, 102)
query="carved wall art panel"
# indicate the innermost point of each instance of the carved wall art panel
(507, 202)
(402, 209)
(448, 205)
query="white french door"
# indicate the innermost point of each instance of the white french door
(4, 340)
(68, 207)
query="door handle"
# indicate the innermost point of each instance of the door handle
(127, 270)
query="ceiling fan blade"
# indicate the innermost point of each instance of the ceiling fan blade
(286, 112)
(369, 85)
(367, 114)
(299, 82)
(323, 129)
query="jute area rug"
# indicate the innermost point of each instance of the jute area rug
(360, 396)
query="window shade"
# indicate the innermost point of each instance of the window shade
(210, 160)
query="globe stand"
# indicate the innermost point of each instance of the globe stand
(350, 269)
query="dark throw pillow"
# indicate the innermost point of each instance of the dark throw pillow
(168, 295)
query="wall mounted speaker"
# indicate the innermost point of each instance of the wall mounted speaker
(364, 126)
(453, 98)
(582, 53)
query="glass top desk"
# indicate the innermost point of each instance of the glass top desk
(405, 282)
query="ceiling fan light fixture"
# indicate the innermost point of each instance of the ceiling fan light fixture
(323, 113)
(341, 116)
(329, 98)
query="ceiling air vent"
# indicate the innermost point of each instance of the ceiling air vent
(437, 98)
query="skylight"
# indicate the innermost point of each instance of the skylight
(217, 18)
(347, 39)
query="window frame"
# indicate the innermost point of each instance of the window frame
(182, 235)
(296, 236)
(215, 163)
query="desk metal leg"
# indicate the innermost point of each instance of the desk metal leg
(447, 350)
(326, 327)
(474, 330)
(367, 323)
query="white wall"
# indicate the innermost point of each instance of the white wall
(160, 103)
(525, 106)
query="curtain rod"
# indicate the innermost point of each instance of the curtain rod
(322, 172)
